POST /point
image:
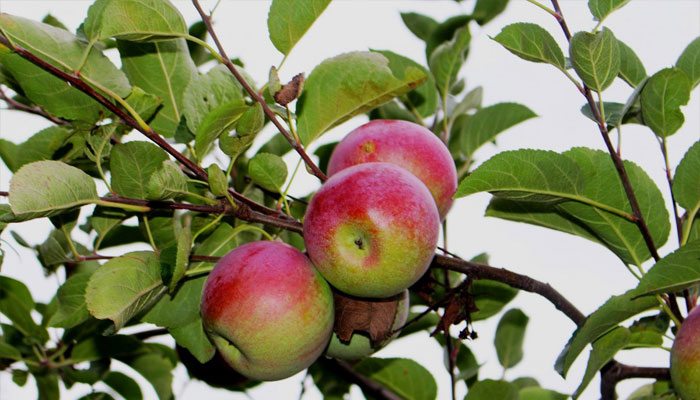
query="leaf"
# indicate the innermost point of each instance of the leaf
(47, 385)
(182, 256)
(218, 244)
(490, 297)
(134, 20)
(104, 219)
(145, 104)
(41, 146)
(268, 170)
(686, 181)
(486, 10)
(16, 304)
(357, 81)
(595, 58)
(195, 340)
(445, 32)
(689, 61)
(99, 347)
(166, 182)
(374, 317)
(206, 92)
(674, 272)
(604, 349)
(402, 376)
(419, 24)
(163, 69)
(483, 126)
(218, 184)
(289, 20)
(602, 320)
(531, 42)
(124, 385)
(157, 369)
(663, 95)
(132, 164)
(70, 298)
(218, 121)
(180, 308)
(613, 113)
(249, 125)
(46, 188)
(447, 59)
(490, 389)
(291, 91)
(631, 67)
(538, 393)
(124, 286)
(602, 8)
(9, 352)
(510, 334)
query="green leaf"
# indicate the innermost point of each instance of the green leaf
(180, 308)
(98, 347)
(490, 297)
(419, 24)
(268, 170)
(104, 219)
(604, 349)
(447, 59)
(47, 385)
(145, 104)
(602, 8)
(132, 164)
(357, 81)
(163, 69)
(249, 125)
(531, 42)
(631, 67)
(182, 256)
(53, 21)
(332, 384)
(70, 297)
(483, 126)
(445, 32)
(9, 352)
(538, 393)
(124, 385)
(510, 334)
(166, 182)
(289, 20)
(218, 121)
(595, 58)
(124, 286)
(46, 188)
(674, 272)
(486, 10)
(134, 20)
(217, 180)
(402, 376)
(41, 146)
(157, 369)
(689, 61)
(193, 338)
(490, 389)
(686, 181)
(663, 95)
(206, 92)
(613, 113)
(602, 320)
(16, 304)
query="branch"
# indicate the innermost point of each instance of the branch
(16, 105)
(367, 385)
(256, 96)
(614, 372)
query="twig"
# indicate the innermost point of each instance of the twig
(150, 333)
(16, 105)
(367, 385)
(614, 372)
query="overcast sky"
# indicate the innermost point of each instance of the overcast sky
(658, 31)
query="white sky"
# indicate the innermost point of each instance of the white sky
(658, 31)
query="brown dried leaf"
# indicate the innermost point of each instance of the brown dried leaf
(460, 305)
(372, 316)
(290, 91)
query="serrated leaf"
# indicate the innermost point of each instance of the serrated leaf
(686, 181)
(145, 104)
(70, 298)
(419, 24)
(217, 180)
(447, 59)
(531, 42)
(124, 385)
(216, 122)
(486, 10)
(663, 95)
(595, 58)
(208, 91)
(357, 81)
(41, 146)
(631, 67)
(602, 8)
(180, 308)
(134, 20)
(163, 69)
(689, 61)
(615, 310)
(483, 126)
(289, 20)
(490, 389)
(104, 219)
(195, 340)
(424, 98)
(674, 272)
(510, 334)
(268, 170)
(402, 376)
(604, 349)
(132, 164)
(46, 188)
(124, 286)
(166, 182)
(249, 125)
(538, 393)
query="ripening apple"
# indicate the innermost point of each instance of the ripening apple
(360, 345)
(372, 229)
(685, 358)
(267, 310)
(406, 144)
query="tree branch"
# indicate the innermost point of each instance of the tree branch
(16, 105)
(367, 385)
(614, 372)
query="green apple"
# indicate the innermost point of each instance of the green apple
(685, 357)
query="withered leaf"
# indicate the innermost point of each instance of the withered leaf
(290, 91)
(374, 317)
(460, 305)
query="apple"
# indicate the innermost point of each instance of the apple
(372, 230)
(267, 310)
(360, 346)
(685, 357)
(406, 144)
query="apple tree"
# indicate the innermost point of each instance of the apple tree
(153, 153)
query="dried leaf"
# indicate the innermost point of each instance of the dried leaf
(290, 91)
(372, 316)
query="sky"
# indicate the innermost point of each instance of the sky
(586, 273)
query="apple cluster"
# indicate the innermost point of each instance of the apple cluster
(370, 232)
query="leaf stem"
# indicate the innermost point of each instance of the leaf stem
(669, 179)
(542, 6)
(123, 206)
(144, 219)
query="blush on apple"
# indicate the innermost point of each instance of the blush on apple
(372, 229)
(406, 144)
(685, 357)
(267, 310)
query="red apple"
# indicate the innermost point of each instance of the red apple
(372, 229)
(408, 145)
(267, 310)
(685, 357)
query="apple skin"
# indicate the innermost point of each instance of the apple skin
(359, 345)
(372, 230)
(267, 310)
(685, 357)
(406, 144)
